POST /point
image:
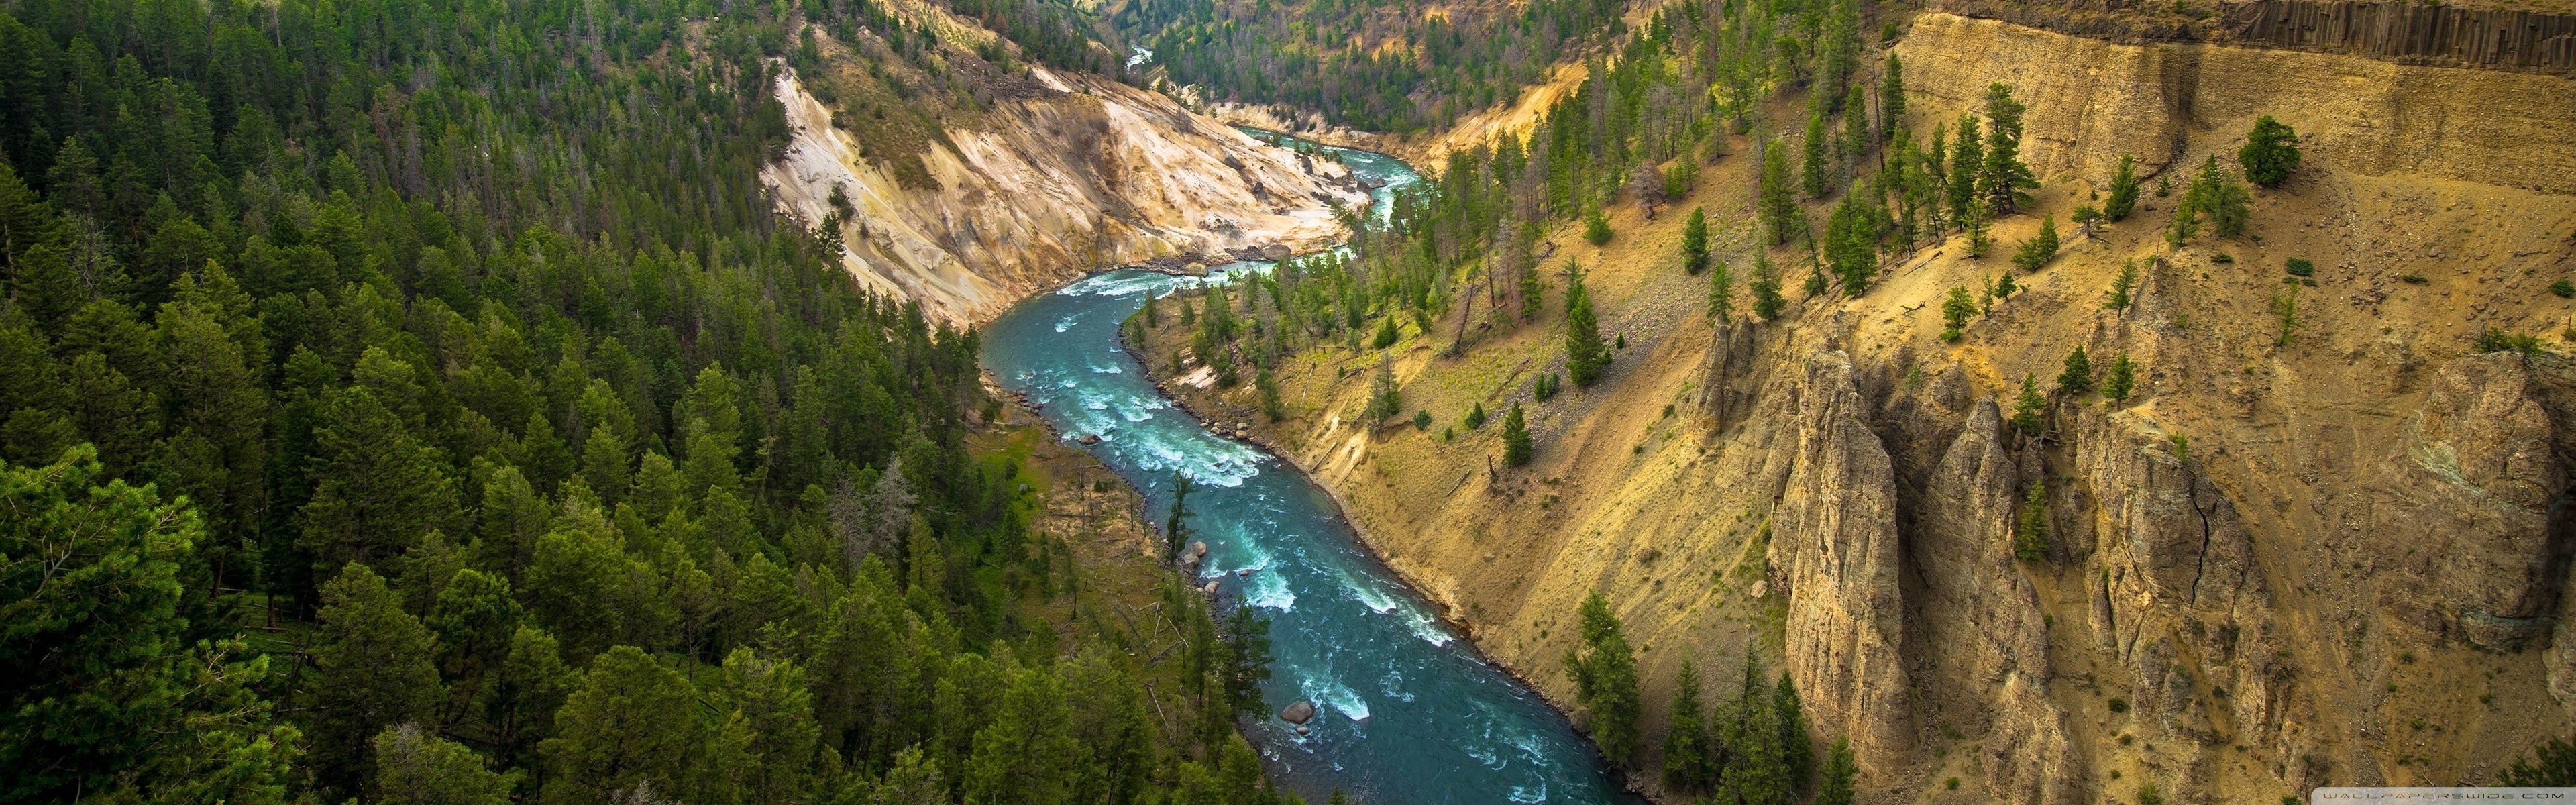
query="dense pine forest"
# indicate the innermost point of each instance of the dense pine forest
(418, 400)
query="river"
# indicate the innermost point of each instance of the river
(1409, 712)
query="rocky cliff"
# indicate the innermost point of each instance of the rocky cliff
(1052, 176)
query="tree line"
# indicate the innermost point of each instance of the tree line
(419, 400)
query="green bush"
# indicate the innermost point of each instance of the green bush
(2563, 289)
(1422, 419)
(2301, 267)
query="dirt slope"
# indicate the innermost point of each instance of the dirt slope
(2331, 558)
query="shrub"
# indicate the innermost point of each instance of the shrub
(1596, 228)
(2301, 267)
(2412, 279)
(2497, 339)
(1422, 419)
(2563, 289)
(1385, 334)
(2271, 151)
(1475, 417)
(2119, 705)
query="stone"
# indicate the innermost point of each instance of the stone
(1298, 713)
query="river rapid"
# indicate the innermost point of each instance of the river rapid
(1408, 711)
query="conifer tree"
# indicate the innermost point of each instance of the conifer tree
(2037, 251)
(1268, 387)
(1766, 288)
(1695, 241)
(373, 670)
(1689, 752)
(1757, 768)
(2124, 190)
(1604, 668)
(1956, 309)
(2028, 407)
(1385, 398)
(2122, 381)
(1721, 293)
(1176, 525)
(1851, 244)
(1839, 771)
(1813, 166)
(1795, 752)
(418, 768)
(1780, 214)
(1585, 354)
(1516, 438)
(617, 731)
(2077, 379)
(1596, 227)
(2123, 287)
(2271, 152)
(1856, 133)
(2004, 179)
(1967, 158)
(1891, 97)
(2030, 536)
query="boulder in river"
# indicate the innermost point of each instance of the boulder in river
(1298, 713)
(1090, 438)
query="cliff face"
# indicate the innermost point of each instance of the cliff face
(1063, 175)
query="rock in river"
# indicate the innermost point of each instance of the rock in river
(1298, 713)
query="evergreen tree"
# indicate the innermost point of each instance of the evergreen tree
(1516, 438)
(1967, 158)
(2552, 763)
(1268, 387)
(1176, 526)
(2213, 193)
(1980, 230)
(1956, 309)
(2124, 190)
(2271, 152)
(620, 731)
(1604, 668)
(1765, 286)
(1857, 138)
(2003, 180)
(1851, 244)
(1695, 241)
(1596, 227)
(2078, 377)
(1386, 399)
(416, 768)
(1780, 214)
(1689, 751)
(373, 670)
(2030, 536)
(1796, 753)
(1839, 771)
(1721, 293)
(2028, 407)
(2124, 287)
(1757, 768)
(2037, 251)
(1891, 97)
(1585, 354)
(2123, 379)
(1813, 166)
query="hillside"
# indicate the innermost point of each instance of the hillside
(2257, 574)
(965, 183)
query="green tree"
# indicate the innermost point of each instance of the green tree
(1604, 668)
(1176, 526)
(1851, 245)
(2213, 193)
(1979, 229)
(1757, 768)
(418, 768)
(1695, 241)
(2030, 537)
(2271, 152)
(1027, 755)
(2077, 379)
(631, 722)
(2552, 763)
(1765, 286)
(1516, 438)
(1690, 760)
(2041, 248)
(2028, 407)
(1814, 169)
(1585, 354)
(1386, 399)
(379, 491)
(2123, 379)
(1596, 227)
(1779, 201)
(1721, 293)
(1839, 771)
(1796, 753)
(1891, 96)
(374, 668)
(1967, 157)
(105, 693)
(1267, 386)
(2124, 190)
(2004, 180)
(2124, 287)
(1956, 310)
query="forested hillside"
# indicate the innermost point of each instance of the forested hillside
(419, 401)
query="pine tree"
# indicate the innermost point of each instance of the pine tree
(2028, 407)
(1780, 214)
(1268, 387)
(1796, 753)
(617, 731)
(2037, 251)
(2077, 379)
(2123, 379)
(2271, 152)
(1851, 244)
(1980, 231)
(2124, 190)
(1839, 771)
(1585, 354)
(1757, 768)
(1689, 751)
(1967, 157)
(1385, 398)
(373, 670)
(2030, 537)
(1766, 288)
(1176, 524)
(1596, 227)
(1856, 133)
(2123, 287)
(1891, 96)
(1813, 166)
(1516, 438)
(1695, 241)
(1604, 668)
(418, 768)
(1956, 309)
(1721, 293)
(2003, 180)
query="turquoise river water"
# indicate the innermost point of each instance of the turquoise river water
(1408, 711)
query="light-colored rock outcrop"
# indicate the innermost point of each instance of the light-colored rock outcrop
(1834, 552)
(1085, 174)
